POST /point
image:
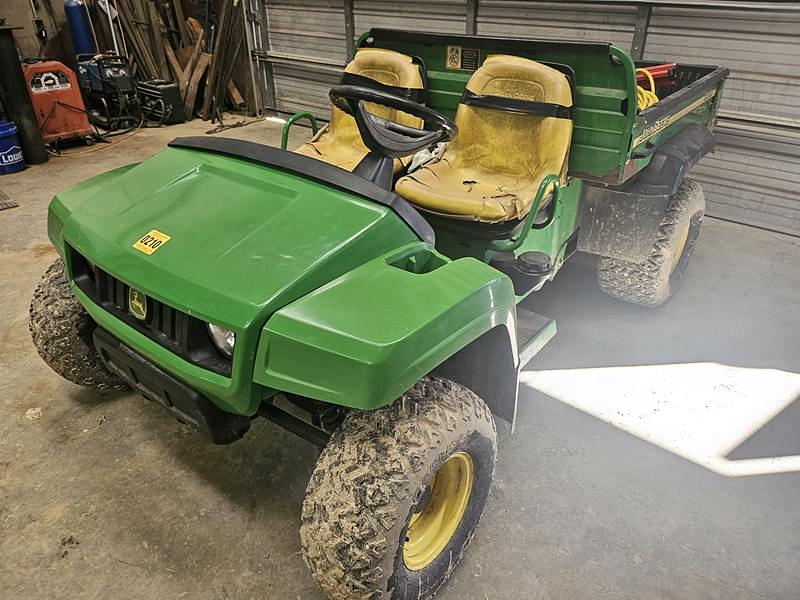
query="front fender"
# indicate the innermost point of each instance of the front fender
(363, 339)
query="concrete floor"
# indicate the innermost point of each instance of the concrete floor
(618, 482)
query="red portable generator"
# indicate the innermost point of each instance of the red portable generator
(57, 101)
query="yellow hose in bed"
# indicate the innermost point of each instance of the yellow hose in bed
(646, 98)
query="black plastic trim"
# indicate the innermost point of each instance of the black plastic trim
(423, 73)
(377, 168)
(294, 424)
(670, 163)
(504, 230)
(182, 401)
(312, 168)
(471, 229)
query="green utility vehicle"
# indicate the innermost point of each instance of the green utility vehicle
(363, 291)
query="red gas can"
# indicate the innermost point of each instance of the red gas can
(57, 101)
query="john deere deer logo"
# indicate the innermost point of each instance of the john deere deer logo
(137, 304)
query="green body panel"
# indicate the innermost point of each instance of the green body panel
(246, 240)
(364, 338)
(243, 236)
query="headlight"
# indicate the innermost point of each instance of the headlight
(224, 339)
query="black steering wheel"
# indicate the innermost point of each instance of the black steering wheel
(386, 137)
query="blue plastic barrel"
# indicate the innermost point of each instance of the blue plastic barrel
(11, 159)
(79, 27)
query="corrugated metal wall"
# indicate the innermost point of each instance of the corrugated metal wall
(754, 177)
(441, 16)
(558, 20)
(307, 51)
(762, 50)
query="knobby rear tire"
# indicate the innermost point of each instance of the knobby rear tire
(654, 280)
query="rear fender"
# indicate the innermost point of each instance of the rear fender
(623, 222)
(365, 338)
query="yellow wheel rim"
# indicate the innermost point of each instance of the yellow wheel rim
(430, 529)
(681, 246)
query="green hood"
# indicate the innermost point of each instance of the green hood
(245, 239)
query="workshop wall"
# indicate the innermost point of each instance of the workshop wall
(59, 45)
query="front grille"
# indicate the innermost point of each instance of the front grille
(176, 330)
(160, 317)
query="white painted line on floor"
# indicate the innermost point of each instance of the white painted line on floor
(699, 411)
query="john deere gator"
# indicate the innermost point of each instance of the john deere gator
(365, 290)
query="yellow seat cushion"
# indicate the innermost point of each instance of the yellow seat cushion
(492, 170)
(339, 142)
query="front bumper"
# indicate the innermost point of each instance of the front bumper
(182, 401)
(235, 394)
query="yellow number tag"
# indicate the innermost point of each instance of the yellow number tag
(151, 241)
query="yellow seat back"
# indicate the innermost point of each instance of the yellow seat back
(492, 170)
(339, 143)
(518, 145)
